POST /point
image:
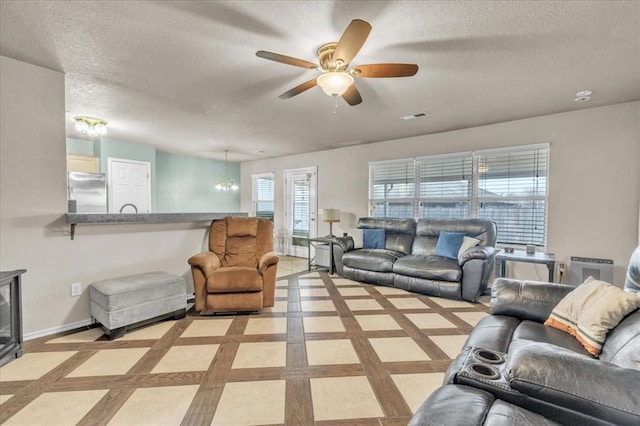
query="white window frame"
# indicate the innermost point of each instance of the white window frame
(474, 198)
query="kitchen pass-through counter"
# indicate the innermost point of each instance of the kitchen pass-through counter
(74, 219)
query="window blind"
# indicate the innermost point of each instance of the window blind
(392, 188)
(445, 186)
(512, 190)
(508, 186)
(300, 209)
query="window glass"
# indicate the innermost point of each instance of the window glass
(263, 195)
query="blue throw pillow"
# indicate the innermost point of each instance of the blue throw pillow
(373, 239)
(448, 244)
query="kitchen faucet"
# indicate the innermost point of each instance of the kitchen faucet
(129, 204)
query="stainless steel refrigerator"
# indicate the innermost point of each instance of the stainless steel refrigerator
(89, 191)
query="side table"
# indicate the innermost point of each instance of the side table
(547, 259)
(316, 242)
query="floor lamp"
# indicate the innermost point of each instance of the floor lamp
(330, 216)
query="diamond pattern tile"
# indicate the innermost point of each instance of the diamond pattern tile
(313, 358)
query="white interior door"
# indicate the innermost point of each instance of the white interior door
(300, 209)
(129, 186)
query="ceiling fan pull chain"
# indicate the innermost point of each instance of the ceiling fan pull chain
(335, 104)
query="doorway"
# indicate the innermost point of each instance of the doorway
(129, 186)
(300, 209)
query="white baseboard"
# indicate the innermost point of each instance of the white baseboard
(58, 329)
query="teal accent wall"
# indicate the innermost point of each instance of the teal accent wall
(187, 184)
(81, 147)
(179, 183)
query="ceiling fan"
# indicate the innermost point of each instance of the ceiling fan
(337, 78)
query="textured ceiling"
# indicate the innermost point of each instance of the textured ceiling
(183, 75)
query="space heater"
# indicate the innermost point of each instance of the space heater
(585, 267)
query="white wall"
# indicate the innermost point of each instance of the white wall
(594, 188)
(593, 207)
(33, 234)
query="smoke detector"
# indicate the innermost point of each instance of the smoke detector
(583, 96)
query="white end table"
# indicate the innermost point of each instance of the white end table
(547, 259)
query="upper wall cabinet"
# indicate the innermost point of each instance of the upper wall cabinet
(82, 163)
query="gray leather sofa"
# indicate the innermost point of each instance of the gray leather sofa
(408, 259)
(515, 368)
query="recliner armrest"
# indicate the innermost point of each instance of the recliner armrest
(345, 243)
(562, 377)
(267, 259)
(341, 245)
(526, 300)
(208, 261)
(478, 252)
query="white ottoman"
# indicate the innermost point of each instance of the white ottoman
(136, 300)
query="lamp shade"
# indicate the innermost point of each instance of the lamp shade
(330, 215)
(334, 83)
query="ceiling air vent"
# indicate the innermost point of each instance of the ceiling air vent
(416, 115)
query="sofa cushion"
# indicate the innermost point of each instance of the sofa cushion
(429, 267)
(443, 407)
(448, 244)
(234, 279)
(591, 310)
(482, 229)
(534, 331)
(378, 260)
(240, 251)
(530, 300)
(467, 243)
(399, 233)
(242, 226)
(373, 238)
(622, 346)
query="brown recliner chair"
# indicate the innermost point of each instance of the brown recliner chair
(238, 273)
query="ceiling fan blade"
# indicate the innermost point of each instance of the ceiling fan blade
(286, 59)
(385, 70)
(352, 96)
(299, 89)
(352, 40)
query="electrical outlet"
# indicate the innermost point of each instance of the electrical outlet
(561, 267)
(76, 289)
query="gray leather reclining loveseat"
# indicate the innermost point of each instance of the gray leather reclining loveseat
(515, 370)
(408, 259)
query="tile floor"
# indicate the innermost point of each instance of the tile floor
(332, 351)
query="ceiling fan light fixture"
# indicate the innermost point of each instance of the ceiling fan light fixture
(334, 83)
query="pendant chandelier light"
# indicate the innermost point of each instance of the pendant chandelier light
(226, 183)
(92, 126)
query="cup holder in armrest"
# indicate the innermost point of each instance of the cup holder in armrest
(488, 356)
(484, 371)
